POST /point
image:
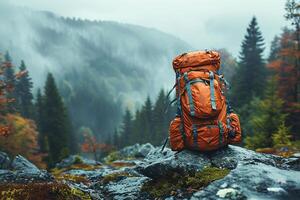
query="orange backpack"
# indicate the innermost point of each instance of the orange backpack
(204, 120)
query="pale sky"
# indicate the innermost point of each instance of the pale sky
(204, 24)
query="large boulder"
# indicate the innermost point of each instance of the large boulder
(23, 171)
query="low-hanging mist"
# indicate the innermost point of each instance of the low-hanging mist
(101, 67)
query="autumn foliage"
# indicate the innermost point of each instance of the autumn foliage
(22, 139)
(91, 145)
(6, 87)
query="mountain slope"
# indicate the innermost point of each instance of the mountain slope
(102, 67)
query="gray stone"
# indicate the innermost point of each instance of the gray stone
(127, 188)
(158, 164)
(4, 160)
(21, 163)
(254, 182)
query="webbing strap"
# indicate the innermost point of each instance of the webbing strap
(212, 91)
(188, 89)
(182, 133)
(180, 111)
(178, 95)
(195, 136)
(221, 133)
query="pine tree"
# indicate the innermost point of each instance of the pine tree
(161, 118)
(55, 126)
(249, 80)
(40, 120)
(126, 131)
(267, 118)
(10, 79)
(23, 93)
(146, 117)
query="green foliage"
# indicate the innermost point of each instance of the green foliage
(115, 155)
(282, 137)
(150, 123)
(53, 123)
(165, 186)
(23, 93)
(266, 119)
(250, 76)
(9, 78)
(78, 160)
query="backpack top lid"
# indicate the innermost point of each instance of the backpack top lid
(197, 59)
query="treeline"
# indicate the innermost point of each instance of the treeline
(148, 124)
(266, 92)
(39, 127)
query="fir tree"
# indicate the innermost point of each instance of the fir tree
(9, 76)
(249, 80)
(40, 120)
(159, 118)
(267, 118)
(23, 93)
(146, 117)
(126, 131)
(55, 126)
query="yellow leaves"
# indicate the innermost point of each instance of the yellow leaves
(22, 139)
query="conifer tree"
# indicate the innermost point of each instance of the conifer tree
(55, 125)
(40, 120)
(126, 131)
(146, 115)
(10, 79)
(23, 93)
(160, 118)
(267, 118)
(249, 80)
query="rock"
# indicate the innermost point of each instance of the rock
(24, 171)
(292, 163)
(158, 164)
(253, 181)
(4, 160)
(136, 151)
(144, 150)
(6, 176)
(76, 159)
(296, 155)
(230, 193)
(128, 188)
(21, 163)
(230, 156)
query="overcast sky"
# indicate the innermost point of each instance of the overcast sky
(202, 23)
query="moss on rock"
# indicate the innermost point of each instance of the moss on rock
(185, 183)
(51, 190)
(115, 176)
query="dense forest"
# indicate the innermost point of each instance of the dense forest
(73, 110)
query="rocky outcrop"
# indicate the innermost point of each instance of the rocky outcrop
(22, 171)
(147, 173)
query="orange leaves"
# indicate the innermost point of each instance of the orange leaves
(6, 87)
(91, 145)
(21, 138)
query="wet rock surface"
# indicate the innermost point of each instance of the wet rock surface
(252, 175)
(23, 171)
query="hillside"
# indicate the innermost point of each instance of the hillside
(107, 65)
